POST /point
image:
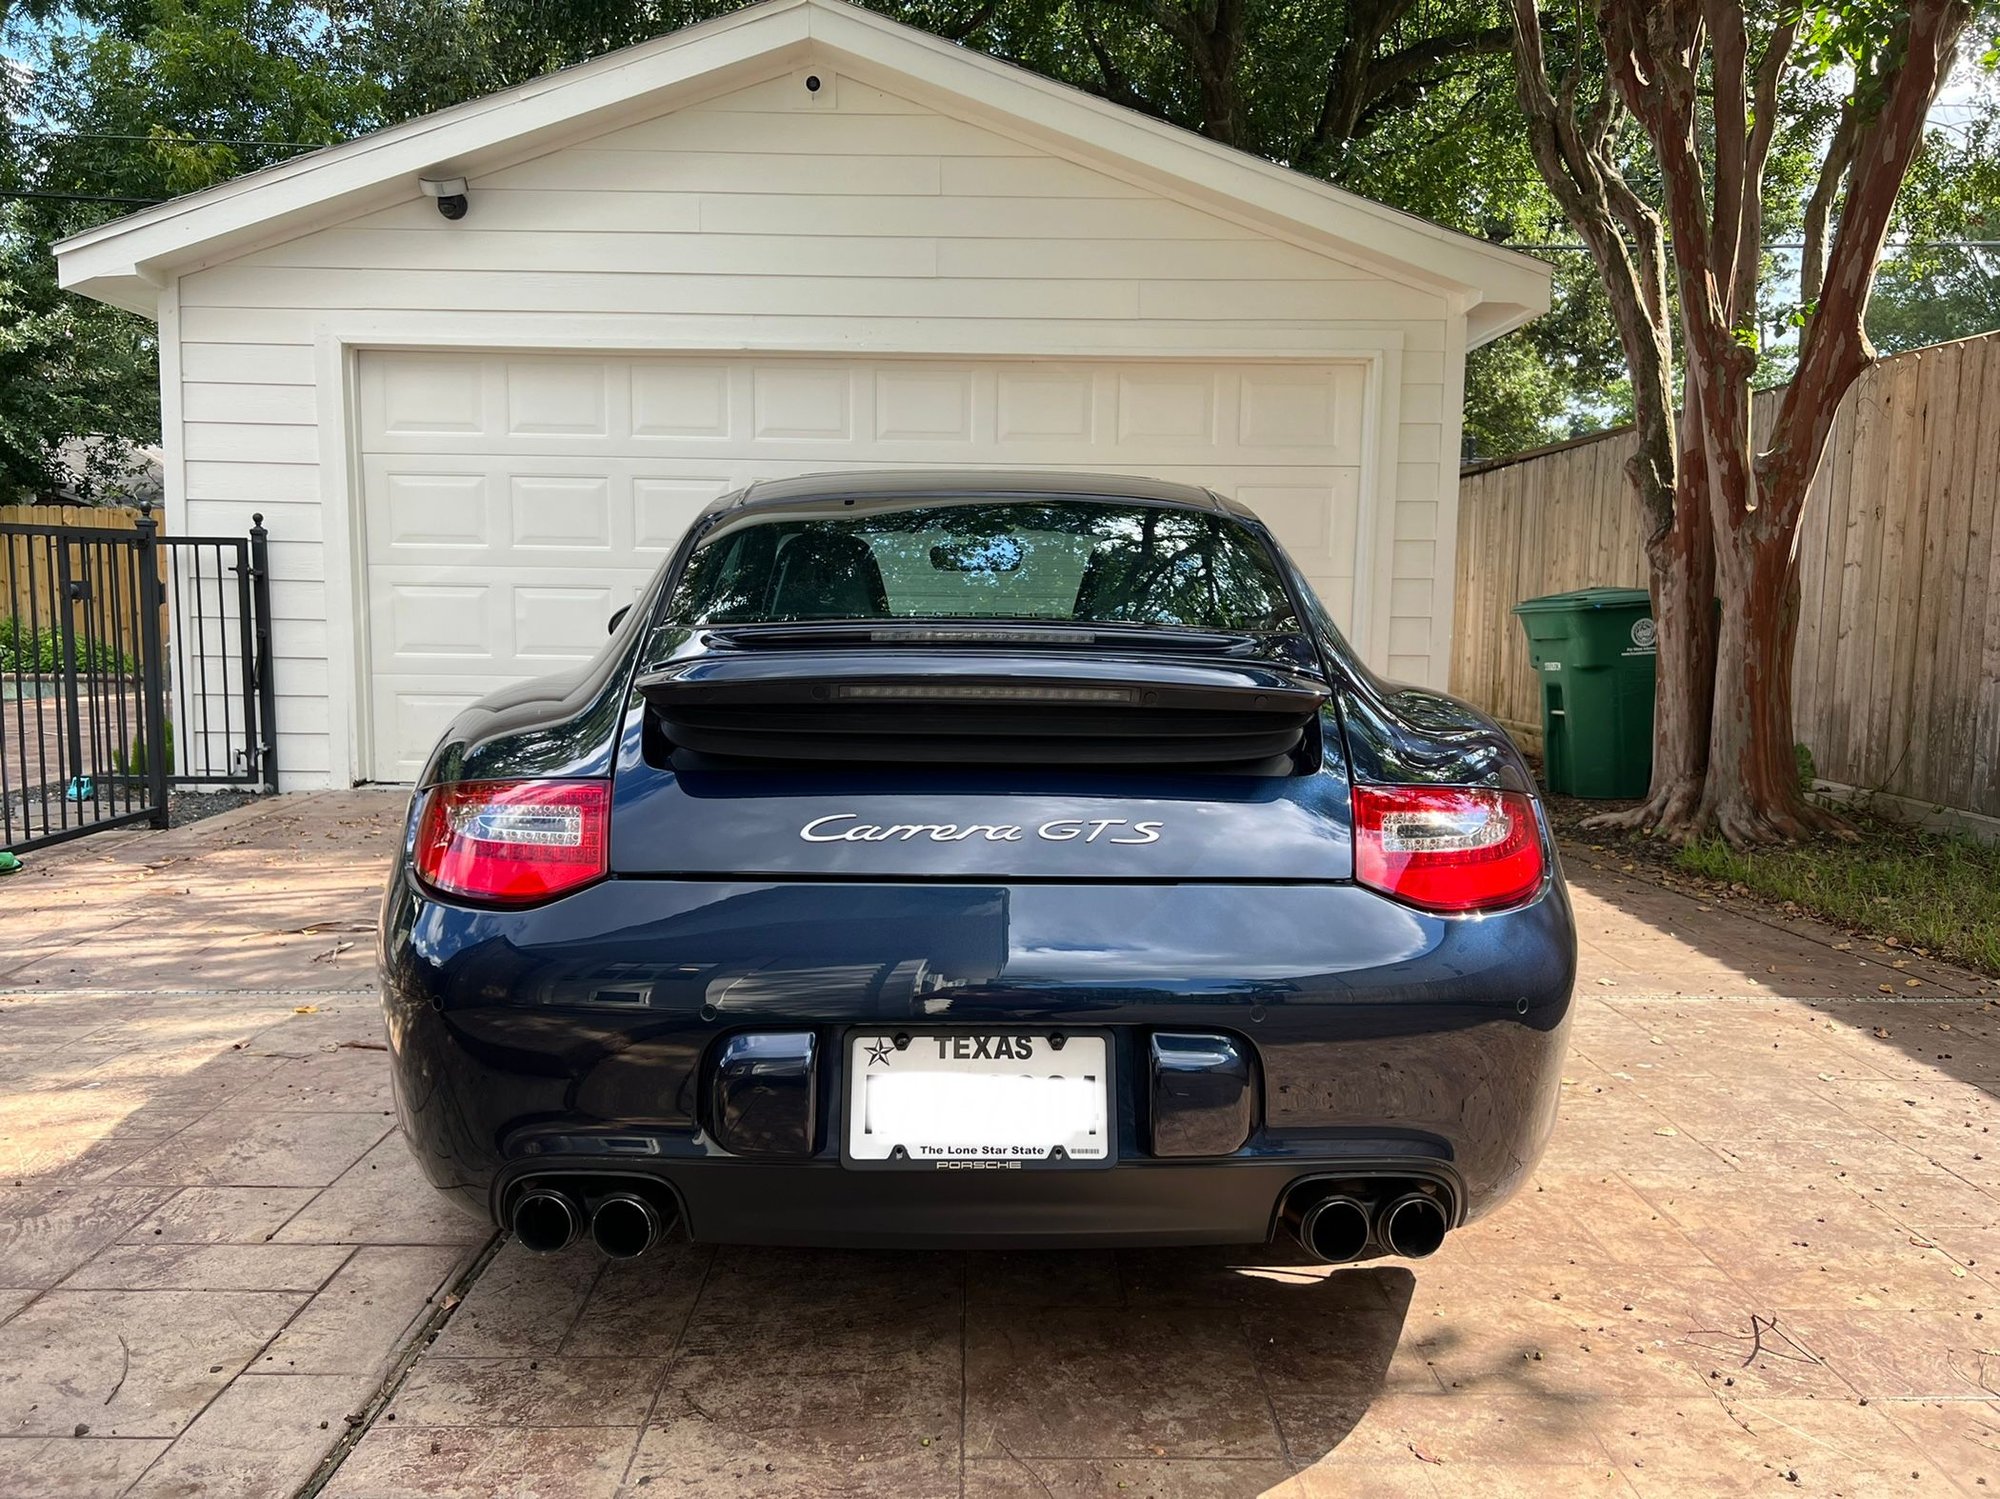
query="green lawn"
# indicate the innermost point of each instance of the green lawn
(1930, 890)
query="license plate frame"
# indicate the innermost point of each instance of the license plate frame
(852, 1048)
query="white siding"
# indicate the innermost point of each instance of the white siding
(754, 222)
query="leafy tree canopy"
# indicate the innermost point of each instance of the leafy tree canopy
(1407, 101)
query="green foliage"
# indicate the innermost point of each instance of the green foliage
(1802, 758)
(127, 100)
(134, 763)
(149, 98)
(1936, 891)
(38, 652)
(1931, 292)
(67, 368)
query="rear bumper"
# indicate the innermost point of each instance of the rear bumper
(582, 1037)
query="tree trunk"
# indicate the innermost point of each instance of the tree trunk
(1683, 581)
(1680, 558)
(1752, 793)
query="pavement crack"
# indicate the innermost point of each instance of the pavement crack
(124, 1369)
(361, 1422)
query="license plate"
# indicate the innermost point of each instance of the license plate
(963, 1100)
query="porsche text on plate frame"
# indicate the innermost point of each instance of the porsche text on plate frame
(956, 764)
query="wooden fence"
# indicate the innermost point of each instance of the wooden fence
(1898, 662)
(28, 591)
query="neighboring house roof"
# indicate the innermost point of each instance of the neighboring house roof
(123, 475)
(128, 260)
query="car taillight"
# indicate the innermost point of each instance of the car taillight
(1447, 848)
(514, 842)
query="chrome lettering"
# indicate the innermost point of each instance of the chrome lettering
(810, 836)
(828, 829)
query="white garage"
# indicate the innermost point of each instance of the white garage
(797, 238)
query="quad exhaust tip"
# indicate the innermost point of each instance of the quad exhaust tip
(1343, 1226)
(549, 1216)
(625, 1226)
(546, 1220)
(1334, 1229)
(1413, 1225)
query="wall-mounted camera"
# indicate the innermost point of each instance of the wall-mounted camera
(450, 194)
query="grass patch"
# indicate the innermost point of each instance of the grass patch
(1932, 890)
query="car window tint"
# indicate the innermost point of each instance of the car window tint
(1077, 561)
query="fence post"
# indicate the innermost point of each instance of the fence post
(152, 676)
(267, 685)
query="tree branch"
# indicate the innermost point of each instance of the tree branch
(1819, 207)
(981, 14)
(1834, 349)
(1346, 94)
(1763, 129)
(1574, 160)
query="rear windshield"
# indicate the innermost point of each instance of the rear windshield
(1066, 560)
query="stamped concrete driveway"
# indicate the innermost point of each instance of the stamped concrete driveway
(1762, 1254)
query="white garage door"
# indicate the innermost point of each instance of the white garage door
(512, 502)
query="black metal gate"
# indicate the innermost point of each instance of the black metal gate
(130, 663)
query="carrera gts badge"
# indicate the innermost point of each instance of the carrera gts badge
(844, 827)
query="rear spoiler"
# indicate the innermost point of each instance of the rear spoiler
(995, 707)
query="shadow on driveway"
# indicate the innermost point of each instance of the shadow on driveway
(725, 1370)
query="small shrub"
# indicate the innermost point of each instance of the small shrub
(38, 653)
(134, 764)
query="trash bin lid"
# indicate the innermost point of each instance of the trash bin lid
(1586, 598)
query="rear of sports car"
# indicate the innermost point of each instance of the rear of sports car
(977, 866)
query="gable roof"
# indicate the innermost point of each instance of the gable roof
(127, 261)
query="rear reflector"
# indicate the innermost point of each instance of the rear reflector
(514, 842)
(1447, 848)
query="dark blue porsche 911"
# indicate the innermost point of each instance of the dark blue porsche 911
(977, 859)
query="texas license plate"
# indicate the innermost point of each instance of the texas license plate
(967, 1100)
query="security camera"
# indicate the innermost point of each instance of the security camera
(449, 192)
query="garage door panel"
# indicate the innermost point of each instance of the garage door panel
(408, 715)
(559, 398)
(429, 512)
(663, 509)
(416, 397)
(512, 502)
(1314, 521)
(561, 513)
(432, 621)
(921, 405)
(1045, 406)
(681, 401)
(803, 402)
(554, 627)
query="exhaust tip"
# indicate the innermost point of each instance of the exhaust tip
(1413, 1226)
(546, 1221)
(1334, 1229)
(625, 1226)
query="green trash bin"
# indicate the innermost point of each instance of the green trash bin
(1594, 652)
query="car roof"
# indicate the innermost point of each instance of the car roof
(961, 483)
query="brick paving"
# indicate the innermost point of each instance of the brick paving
(1763, 1252)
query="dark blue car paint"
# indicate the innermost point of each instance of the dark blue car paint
(583, 1034)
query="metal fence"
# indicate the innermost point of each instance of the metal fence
(130, 663)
